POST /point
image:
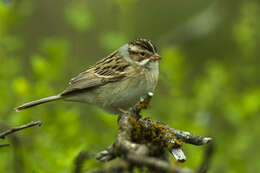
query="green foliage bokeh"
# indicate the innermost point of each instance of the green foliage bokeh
(209, 76)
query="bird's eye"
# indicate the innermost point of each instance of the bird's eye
(142, 53)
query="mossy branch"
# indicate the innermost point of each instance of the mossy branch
(144, 143)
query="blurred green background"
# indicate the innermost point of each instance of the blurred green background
(209, 76)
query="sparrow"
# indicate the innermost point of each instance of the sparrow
(116, 82)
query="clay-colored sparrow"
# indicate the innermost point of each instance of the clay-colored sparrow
(115, 83)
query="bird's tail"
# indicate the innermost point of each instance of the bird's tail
(38, 102)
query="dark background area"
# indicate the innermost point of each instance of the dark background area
(209, 76)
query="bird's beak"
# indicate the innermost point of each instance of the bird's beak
(155, 57)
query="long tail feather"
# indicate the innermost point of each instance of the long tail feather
(37, 102)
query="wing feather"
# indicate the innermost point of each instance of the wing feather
(110, 69)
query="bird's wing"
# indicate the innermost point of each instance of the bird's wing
(110, 69)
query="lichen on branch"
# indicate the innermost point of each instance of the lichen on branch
(144, 142)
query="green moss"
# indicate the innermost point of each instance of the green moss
(153, 132)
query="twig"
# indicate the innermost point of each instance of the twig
(4, 145)
(80, 159)
(106, 155)
(207, 158)
(190, 138)
(155, 164)
(121, 166)
(15, 129)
